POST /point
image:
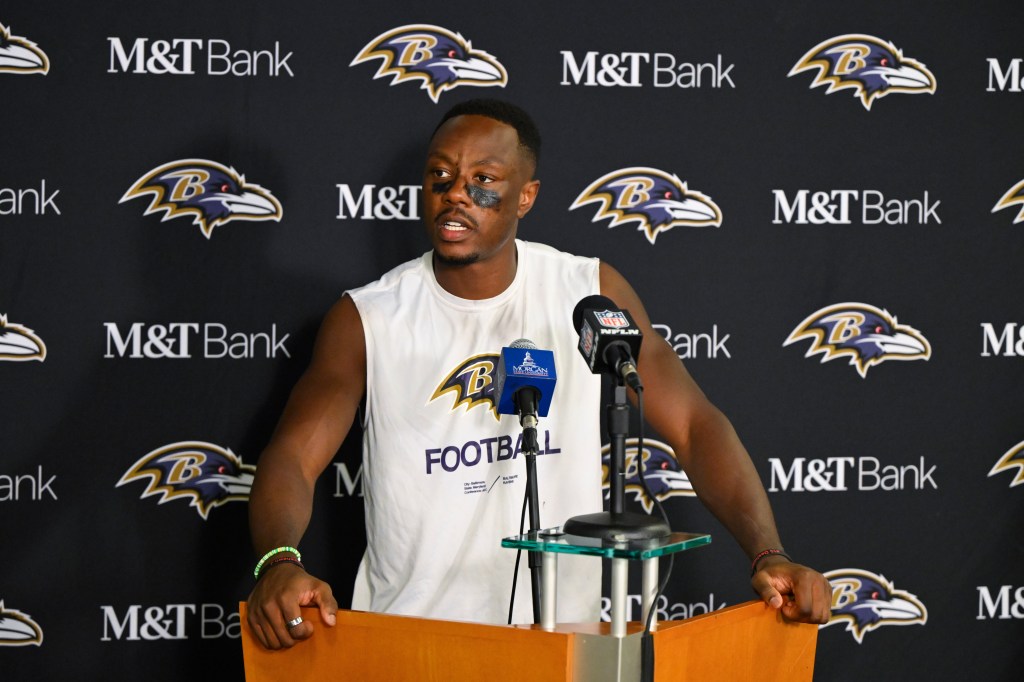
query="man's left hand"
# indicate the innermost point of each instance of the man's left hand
(802, 594)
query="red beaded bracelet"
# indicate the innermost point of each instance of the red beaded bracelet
(763, 554)
(282, 560)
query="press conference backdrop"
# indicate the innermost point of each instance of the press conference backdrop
(819, 203)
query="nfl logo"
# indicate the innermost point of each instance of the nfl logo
(611, 318)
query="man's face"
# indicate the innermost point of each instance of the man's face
(476, 186)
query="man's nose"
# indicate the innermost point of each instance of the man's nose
(455, 192)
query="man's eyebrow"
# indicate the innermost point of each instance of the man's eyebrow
(486, 161)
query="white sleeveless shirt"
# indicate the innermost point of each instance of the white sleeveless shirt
(443, 482)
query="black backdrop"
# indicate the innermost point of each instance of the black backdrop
(105, 577)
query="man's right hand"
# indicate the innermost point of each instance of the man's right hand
(277, 599)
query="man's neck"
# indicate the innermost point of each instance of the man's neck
(480, 280)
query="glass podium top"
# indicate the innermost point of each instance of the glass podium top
(555, 540)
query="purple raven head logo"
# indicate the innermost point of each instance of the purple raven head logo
(873, 68)
(18, 629)
(1013, 459)
(18, 343)
(656, 201)
(1013, 197)
(471, 383)
(19, 55)
(438, 58)
(861, 332)
(866, 601)
(204, 474)
(662, 472)
(210, 193)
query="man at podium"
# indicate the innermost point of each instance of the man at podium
(443, 476)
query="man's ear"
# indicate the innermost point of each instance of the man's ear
(527, 195)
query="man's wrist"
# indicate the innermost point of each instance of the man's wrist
(768, 557)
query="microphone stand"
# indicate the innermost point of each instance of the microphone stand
(526, 400)
(617, 525)
(530, 448)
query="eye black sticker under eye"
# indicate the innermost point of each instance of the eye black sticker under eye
(441, 187)
(484, 198)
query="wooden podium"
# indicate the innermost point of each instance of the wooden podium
(748, 641)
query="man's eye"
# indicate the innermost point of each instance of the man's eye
(483, 179)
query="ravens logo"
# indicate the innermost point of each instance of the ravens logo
(1011, 198)
(862, 333)
(665, 478)
(1013, 459)
(438, 58)
(18, 55)
(18, 629)
(656, 201)
(18, 343)
(472, 383)
(204, 474)
(866, 601)
(873, 68)
(210, 193)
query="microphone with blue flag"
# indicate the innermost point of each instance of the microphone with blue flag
(524, 383)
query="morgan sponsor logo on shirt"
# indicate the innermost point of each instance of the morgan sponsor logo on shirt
(206, 191)
(203, 474)
(20, 55)
(866, 601)
(871, 67)
(864, 334)
(19, 343)
(655, 201)
(435, 57)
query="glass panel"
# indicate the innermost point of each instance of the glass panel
(554, 540)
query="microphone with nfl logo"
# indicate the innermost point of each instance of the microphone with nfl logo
(609, 339)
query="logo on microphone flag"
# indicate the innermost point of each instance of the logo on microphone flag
(529, 367)
(611, 318)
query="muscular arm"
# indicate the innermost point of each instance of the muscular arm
(316, 419)
(715, 460)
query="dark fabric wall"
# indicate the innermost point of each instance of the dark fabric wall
(851, 297)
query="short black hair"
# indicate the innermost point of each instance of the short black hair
(505, 112)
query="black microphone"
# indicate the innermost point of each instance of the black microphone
(609, 339)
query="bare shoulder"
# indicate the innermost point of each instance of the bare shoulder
(340, 348)
(615, 287)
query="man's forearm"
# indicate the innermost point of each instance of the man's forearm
(280, 504)
(729, 486)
